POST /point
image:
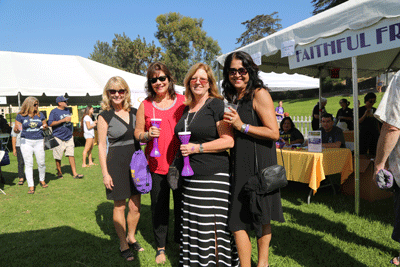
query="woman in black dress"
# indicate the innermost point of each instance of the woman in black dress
(206, 240)
(344, 116)
(117, 123)
(254, 121)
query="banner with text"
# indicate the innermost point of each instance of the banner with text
(382, 36)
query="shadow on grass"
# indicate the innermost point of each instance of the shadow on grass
(308, 249)
(380, 210)
(60, 246)
(104, 213)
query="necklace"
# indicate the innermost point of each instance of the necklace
(187, 117)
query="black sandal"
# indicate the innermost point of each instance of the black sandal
(159, 252)
(136, 246)
(21, 182)
(127, 254)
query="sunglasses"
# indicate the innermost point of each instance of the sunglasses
(241, 71)
(35, 105)
(201, 80)
(120, 91)
(161, 78)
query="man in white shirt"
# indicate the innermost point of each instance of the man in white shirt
(388, 147)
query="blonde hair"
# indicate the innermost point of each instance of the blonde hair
(212, 91)
(27, 107)
(116, 82)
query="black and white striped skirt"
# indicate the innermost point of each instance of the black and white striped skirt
(206, 239)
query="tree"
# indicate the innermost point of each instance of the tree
(258, 27)
(132, 56)
(184, 43)
(322, 5)
(104, 53)
(135, 56)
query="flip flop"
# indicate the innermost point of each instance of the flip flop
(78, 176)
(136, 246)
(127, 254)
(21, 182)
(159, 252)
(60, 176)
(44, 185)
(31, 191)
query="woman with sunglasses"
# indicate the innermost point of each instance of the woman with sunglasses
(163, 103)
(117, 123)
(206, 240)
(369, 126)
(253, 122)
(31, 123)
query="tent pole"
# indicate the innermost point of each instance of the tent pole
(356, 136)
(19, 100)
(321, 79)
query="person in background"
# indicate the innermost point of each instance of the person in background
(388, 149)
(88, 132)
(315, 113)
(289, 133)
(379, 85)
(164, 103)
(16, 145)
(117, 122)
(344, 116)
(369, 126)
(60, 122)
(2, 181)
(206, 240)
(31, 123)
(241, 82)
(332, 136)
(279, 111)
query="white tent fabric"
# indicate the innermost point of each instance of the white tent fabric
(354, 15)
(277, 82)
(54, 75)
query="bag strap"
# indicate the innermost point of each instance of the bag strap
(255, 147)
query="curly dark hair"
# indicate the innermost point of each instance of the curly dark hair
(254, 83)
(151, 71)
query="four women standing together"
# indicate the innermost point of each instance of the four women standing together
(212, 203)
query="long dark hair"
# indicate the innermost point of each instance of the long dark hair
(153, 69)
(85, 112)
(255, 82)
(292, 126)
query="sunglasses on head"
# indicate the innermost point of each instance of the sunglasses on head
(201, 80)
(113, 91)
(241, 71)
(161, 78)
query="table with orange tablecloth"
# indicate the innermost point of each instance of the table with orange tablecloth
(311, 167)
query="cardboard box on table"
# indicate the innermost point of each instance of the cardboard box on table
(368, 189)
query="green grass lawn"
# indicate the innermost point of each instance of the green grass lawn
(304, 106)
(70, 222)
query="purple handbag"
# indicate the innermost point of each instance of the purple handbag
(140, 172)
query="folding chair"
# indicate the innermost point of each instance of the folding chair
(4, 138)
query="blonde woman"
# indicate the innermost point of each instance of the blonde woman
(31, 123)
(117, 122)
(206, 240)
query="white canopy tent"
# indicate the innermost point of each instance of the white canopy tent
(359, 37)
(278, 82)
(34, 74)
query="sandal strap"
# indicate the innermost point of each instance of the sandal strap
(159, 251)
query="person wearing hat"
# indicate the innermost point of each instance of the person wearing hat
(60, 121)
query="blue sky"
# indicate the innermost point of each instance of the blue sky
(72, 27)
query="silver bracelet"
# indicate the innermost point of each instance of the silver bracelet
(201, 149)
(243, 127)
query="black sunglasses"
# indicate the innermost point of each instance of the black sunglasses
(120, 91)
(241, 71)
(35, 105)
(161, 78)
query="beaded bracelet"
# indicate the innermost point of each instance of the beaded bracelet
(247, 128)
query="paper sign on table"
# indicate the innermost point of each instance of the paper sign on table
(314, 141)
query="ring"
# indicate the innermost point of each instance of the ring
(230, 119)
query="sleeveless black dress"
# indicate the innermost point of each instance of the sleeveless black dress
(243, 167)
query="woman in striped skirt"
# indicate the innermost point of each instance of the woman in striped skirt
(206, 240)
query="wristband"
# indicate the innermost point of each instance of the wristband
(201, 149)
(247, 128)
(243, 128)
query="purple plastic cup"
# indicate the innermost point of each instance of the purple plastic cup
(187, 169)
(155, 153)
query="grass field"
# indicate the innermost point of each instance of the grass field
(70, 223)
